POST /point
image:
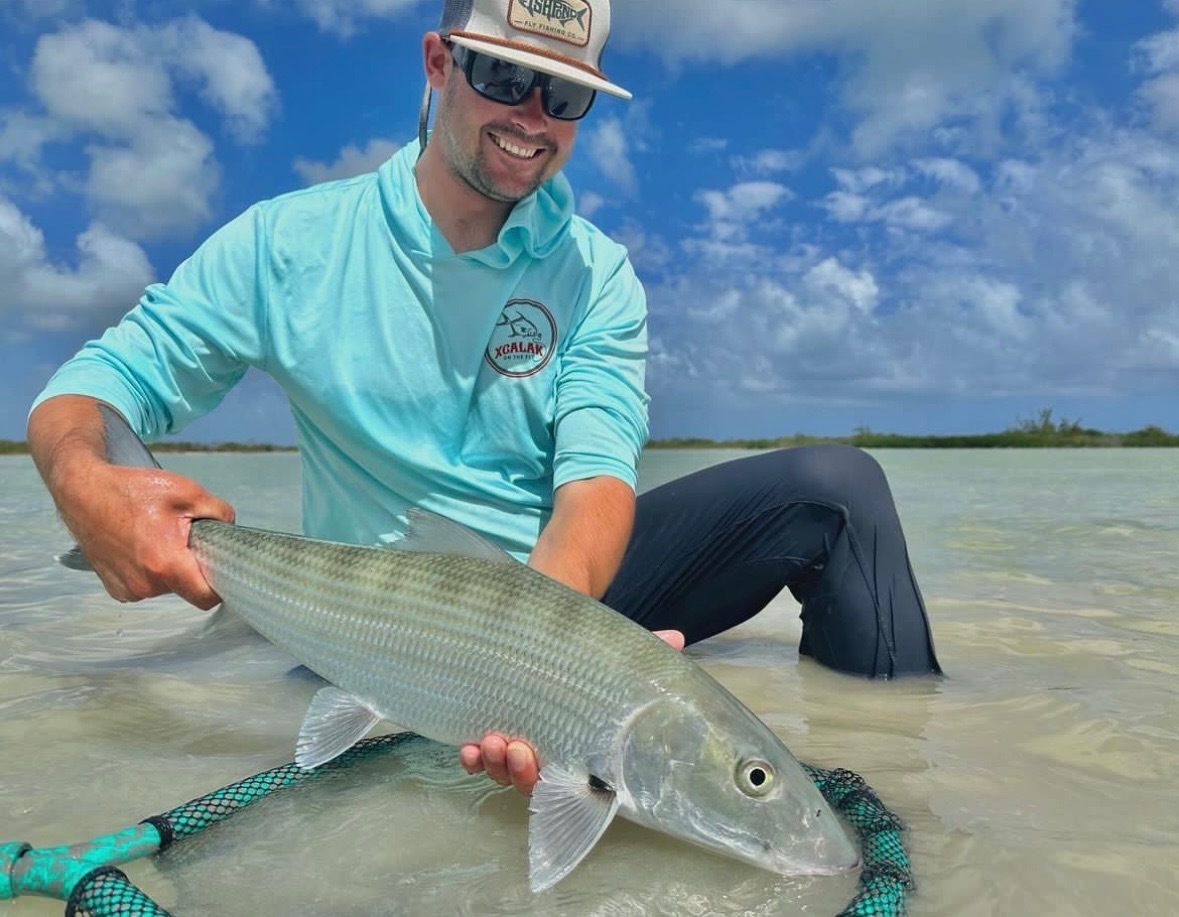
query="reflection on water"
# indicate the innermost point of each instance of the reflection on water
(1038, 777)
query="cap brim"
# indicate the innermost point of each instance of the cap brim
(542, 63)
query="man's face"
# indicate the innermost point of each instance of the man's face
(505, 152)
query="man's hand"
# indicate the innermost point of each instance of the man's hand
(514, 763)
(133, 526)
(131, 523)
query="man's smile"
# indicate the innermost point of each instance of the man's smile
(514, 148)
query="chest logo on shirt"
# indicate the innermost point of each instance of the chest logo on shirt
(523, 340)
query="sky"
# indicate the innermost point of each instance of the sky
(911, 216)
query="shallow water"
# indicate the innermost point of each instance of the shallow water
(1040, 776)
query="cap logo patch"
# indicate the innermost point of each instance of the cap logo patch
(523, 340)
(564, 20)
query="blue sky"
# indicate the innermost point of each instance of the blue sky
(900, 214)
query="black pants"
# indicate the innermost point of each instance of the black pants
(711, 549)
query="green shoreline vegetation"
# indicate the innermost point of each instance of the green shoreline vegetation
(1040, 433)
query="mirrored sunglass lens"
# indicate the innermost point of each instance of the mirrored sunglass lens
(500, 80)
(568, 100)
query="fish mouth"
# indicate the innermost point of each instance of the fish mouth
(832, 855)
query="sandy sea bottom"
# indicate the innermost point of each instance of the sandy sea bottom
(1039, 776)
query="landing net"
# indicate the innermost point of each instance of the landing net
(87, 878)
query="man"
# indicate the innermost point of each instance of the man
(450, 335)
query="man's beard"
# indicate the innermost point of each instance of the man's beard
(471, 168)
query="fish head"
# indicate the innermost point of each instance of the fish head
(701, 767)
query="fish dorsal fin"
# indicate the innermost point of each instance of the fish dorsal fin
(430, 533)
(123, 446)
(335, 721)
(569, 812)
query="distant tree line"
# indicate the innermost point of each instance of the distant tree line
(19, 447)
(1041, 432)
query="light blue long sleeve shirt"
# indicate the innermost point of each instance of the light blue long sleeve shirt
(471, 384)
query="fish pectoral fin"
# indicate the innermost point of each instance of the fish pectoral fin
(430, 533)
(569, 812)
(335, 721)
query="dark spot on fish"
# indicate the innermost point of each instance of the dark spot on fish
(598, 785)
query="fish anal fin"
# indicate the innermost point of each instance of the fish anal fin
(570, 810)
(335, 721)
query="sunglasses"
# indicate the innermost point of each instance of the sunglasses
(510, 84)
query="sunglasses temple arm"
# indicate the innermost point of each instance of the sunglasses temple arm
(423, 119)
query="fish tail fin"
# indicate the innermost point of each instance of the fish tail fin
(75, 560)
(123, 447)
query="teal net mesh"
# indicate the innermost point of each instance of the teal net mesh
(884, 885)
(106, 892)
(887, 876)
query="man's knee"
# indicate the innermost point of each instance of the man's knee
(832, 473)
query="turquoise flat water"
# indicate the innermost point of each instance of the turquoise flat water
(1040, 776)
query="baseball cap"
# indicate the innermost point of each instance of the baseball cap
(564, 38)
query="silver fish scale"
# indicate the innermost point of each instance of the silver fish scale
(447, 646)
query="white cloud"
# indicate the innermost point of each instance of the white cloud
(109, 277)
(114, 91)
(859, 180)
(344, 17)
(1047, 274)
(909, 212)
(157, 185)
(609, 148)
(950, 173)
(22, 139)
(743, 202)
(32, 10)
(351, 161)
(1162, 95)
(769, 162)
(97, 77)
(829, 279)
(1158, 56)
(1157, 53)
(909, 65)
(589, 203)
(705, 145)
(233, 77)
(648, 251)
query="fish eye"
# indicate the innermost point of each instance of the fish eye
(755, 777)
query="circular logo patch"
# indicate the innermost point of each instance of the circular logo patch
(522, 341)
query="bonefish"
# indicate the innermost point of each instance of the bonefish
(445, 635)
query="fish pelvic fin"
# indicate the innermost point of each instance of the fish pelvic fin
(430, 533)
(570, 810)
(335, 721)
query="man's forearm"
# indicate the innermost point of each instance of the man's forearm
(63, 431)
(583, 543)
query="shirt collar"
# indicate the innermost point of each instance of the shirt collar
(536, 226)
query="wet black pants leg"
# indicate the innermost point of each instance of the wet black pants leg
(711, 549)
